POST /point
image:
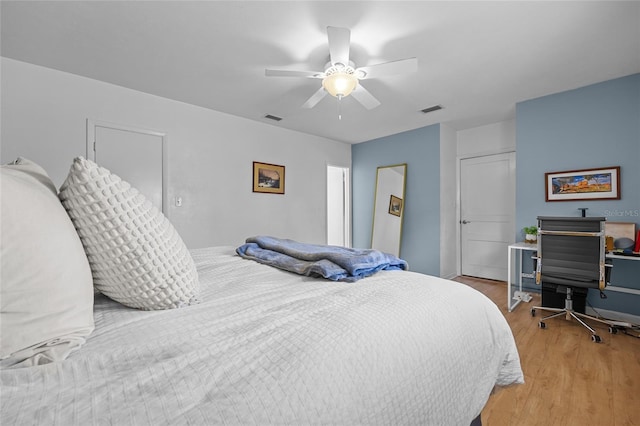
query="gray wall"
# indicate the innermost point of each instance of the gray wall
(44, 115)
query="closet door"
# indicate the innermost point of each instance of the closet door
(487, 213)
(136, 155)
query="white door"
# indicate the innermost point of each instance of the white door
(338, 202)
(135, 155)
(487, 211)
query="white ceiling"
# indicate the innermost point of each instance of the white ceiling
(477, 59)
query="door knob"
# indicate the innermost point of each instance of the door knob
(464, 222)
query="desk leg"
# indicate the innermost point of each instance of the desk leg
(520, 270)
(509, 280)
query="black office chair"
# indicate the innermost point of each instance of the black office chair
(571, 255)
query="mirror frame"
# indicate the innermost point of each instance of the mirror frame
(385, 211)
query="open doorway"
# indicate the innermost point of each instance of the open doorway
(338, 206)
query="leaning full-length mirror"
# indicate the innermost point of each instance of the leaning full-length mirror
(388, 209)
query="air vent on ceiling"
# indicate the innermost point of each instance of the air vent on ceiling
(273, 117)
(431, 109)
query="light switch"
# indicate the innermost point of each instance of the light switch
(178, 201)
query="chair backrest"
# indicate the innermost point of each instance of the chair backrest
(571, 251)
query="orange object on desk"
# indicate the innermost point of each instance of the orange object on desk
(609, 243)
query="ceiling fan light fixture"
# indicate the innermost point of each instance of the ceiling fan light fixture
(340, 84)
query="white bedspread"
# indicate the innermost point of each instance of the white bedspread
(270, 347)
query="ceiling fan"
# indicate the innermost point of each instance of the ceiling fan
(341, 78)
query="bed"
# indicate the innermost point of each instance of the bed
(265, 346)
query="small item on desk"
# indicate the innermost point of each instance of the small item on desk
(629, 253)
(609, 243)
(530, 234)
(623, 243)
(626, 252)
(637, 247)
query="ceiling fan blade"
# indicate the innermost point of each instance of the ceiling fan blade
(402, 66)
(363, 96)
(293, 73)
(315, 98)
(339, 40)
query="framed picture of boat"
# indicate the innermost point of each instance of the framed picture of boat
(588, 184)
(268, 178)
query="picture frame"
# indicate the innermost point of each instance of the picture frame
(395, 205)
(268, 178)
(586, 184)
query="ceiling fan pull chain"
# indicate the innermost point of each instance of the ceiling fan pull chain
(339, 107)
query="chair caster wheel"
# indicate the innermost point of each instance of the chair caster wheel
(533, 312)
(542, 325)
(596, 338)
(613, 330)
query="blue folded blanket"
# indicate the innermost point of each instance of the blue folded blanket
(331, 262)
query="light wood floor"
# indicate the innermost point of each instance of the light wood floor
(569, 380)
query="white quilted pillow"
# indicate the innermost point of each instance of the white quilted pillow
(46, 290)
(136, 255)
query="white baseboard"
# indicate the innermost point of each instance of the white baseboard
(613, 315)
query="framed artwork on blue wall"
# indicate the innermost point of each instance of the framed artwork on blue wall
(587, 184)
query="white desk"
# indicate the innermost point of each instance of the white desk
(522, 247)
(617, 256)
(519, 248)
(627, 290)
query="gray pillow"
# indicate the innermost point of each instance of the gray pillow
(136, 255)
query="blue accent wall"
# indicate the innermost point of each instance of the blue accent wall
(420, 150)
(591, 127)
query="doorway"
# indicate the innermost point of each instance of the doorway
(487, 214)
(136, 155)
(338, 206)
